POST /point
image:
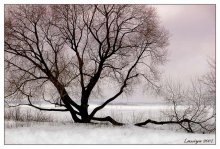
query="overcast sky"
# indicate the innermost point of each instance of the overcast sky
(192, 42)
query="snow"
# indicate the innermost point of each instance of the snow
(63, 131)
(100, 134)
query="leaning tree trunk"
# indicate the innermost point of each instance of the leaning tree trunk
(72, 112)
(67, 101)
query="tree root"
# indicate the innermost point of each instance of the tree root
(108, 119)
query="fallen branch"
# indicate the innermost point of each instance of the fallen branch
(189, 129)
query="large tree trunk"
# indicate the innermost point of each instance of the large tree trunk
(84, 113)
(84, 107)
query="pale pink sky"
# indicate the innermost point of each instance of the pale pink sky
(192, 41)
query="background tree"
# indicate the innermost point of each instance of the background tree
(193, 109)
(61, 53)
(209, 81)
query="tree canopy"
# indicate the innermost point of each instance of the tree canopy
(60, 53)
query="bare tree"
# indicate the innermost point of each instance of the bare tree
(192, 109)
(209, 81)
(59, 53)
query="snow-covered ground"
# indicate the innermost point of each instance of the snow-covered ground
(63, 131)
(100, 134)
